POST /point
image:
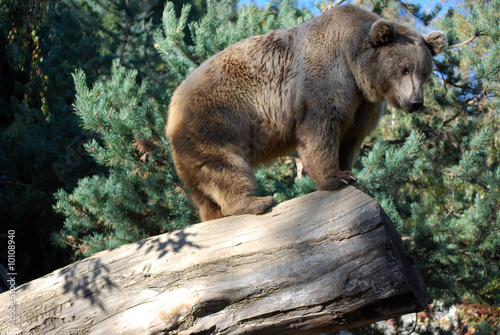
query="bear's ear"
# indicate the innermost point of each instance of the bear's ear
(381, 32)
(436, 41)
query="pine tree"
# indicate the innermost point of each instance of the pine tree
(121, 29)
(41, 42)
(140, 195)
(42, 143)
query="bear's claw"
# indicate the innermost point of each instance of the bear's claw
(338, 180)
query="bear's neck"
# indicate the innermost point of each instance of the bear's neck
(362, 60)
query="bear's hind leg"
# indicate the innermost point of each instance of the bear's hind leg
(230, 182)
(207, 208)
(253, 205)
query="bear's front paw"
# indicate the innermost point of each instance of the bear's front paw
(338, 180)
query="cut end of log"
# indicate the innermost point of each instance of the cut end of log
(324, 262)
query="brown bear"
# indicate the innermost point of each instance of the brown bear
(317, 87)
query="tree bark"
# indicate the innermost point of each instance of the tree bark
(324, 262)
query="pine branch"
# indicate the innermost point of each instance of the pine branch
(125, 40)
(453, 117)
(463, 106)
(374, 162)
(332, 4)
(464, 42)
(415, 9)
(389, 142)
(11, 180)
(107, 8)
(186, 54)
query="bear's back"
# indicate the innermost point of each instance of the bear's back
(254, 78)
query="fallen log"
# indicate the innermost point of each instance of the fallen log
(324, 262)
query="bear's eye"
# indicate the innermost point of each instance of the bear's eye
(404, 71)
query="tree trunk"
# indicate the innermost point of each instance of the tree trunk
(323, 262)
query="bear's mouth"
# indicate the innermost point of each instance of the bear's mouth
(409, 106)
(398, 104)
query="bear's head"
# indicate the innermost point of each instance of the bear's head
(404, 62)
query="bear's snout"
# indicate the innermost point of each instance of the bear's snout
(413, 105)
(416, 104)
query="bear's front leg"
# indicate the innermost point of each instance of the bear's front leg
(318, 147)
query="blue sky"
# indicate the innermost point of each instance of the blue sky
(427, 4)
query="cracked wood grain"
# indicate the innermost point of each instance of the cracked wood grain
(323, 262)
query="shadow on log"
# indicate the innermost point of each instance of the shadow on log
(324, 262)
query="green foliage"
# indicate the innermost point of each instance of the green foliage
(121, 29)
(140, 195)
(280, 180)
(382, 165)
(41, 44)
(213, 33)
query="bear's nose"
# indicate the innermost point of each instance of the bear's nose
(416, 104)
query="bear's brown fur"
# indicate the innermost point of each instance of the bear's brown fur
(317, 87)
